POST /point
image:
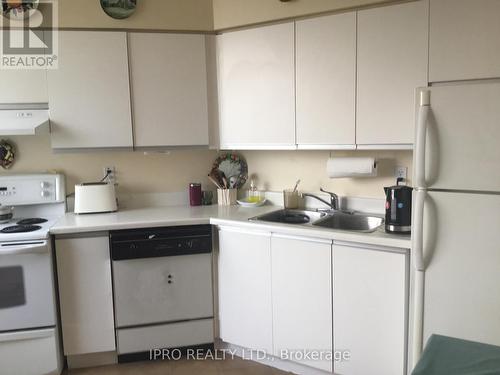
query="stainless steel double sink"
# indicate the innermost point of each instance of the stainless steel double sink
(357, 222)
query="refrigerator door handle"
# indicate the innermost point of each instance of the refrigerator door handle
(418, 229)
(417, 251)
(420, 138)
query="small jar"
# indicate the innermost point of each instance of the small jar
(195, 194)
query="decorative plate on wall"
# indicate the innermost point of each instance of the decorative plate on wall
(19, 9)
(7, 154)
(119, 9)
(232, 168)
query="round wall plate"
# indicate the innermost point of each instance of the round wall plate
(119, 9)
(18, 10)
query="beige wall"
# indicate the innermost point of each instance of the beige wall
(139, 173)
(198, 15)
(234, 13)
(276, 170)
(136, 172)
(150, 14)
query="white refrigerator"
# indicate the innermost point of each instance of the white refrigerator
(456, 214)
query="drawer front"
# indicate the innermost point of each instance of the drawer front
(160, 290)
(30, 352)
(174, 335)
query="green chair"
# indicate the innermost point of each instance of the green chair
(450, 356)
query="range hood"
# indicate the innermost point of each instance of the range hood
(23, 119)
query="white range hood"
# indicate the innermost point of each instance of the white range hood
(23, 119)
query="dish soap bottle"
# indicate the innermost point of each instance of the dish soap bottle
(253, 193)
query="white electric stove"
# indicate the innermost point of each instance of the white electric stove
(29, 337)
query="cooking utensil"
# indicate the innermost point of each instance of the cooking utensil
(296, 185)
(225, 182)
(214, 181)
(216, 175)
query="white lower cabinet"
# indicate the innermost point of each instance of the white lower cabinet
(305, 301)
(302, 300)
(245, 311)
(369, 319)
(85, 294)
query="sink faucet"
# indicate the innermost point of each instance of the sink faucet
(334, 199)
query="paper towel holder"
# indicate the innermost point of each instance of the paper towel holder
(352, 167)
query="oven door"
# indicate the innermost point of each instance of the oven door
(26, 285)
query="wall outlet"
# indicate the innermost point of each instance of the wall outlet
(400, 172)
(111, 174)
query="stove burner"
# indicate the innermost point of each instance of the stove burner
(20, 228)
(32, 221)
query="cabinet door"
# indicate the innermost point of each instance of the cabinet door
(85, 295)
(23, 85)
(464, 42)
(168, 75)
(302, 298)
(326, 79)
(369, 320)
(256, 88)
(392, 63)
(89, 94)
(245, 311)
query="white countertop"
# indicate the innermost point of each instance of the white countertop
(216, 215)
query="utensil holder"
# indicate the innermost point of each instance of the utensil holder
(226, 197)
(291, 198)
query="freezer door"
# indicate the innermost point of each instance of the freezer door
(462, 256)
(461, 143)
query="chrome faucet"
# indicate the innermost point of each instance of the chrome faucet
(334, 199)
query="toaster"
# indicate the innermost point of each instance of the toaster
(95, 197)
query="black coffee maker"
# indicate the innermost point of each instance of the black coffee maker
(398, 208)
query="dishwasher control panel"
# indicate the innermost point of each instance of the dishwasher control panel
(160, 242)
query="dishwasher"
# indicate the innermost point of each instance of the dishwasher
(162, 287)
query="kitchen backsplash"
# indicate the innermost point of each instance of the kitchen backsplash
(275, 170)
(137, 172)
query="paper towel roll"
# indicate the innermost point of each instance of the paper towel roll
(351, 167)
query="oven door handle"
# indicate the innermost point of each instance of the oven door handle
(27, 335)
(27, 248)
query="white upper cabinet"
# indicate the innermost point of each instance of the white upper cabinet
(370, 295)
(23, 85)
(464, 39)
(302, 297)
(89, 97)
(392, 63)
(256, 88)
(326, 80)
(168, 75)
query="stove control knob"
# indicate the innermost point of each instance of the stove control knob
(45, 193)
(44, 185)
